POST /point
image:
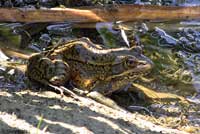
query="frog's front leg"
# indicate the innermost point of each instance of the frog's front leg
(44, 70)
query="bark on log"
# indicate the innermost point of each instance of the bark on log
(94, 14)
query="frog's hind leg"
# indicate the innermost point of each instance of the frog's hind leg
(36, 68)
(46, 71)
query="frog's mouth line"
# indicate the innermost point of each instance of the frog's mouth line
(142, 68)
(133, 73)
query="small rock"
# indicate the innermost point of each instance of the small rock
(11, 72)
(3, 57)
(44, 41)
(62, 29)
(193, 100)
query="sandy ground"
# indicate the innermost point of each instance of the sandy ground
(27, 111)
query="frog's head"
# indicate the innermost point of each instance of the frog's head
(129, 65)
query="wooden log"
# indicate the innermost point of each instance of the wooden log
(94, 14)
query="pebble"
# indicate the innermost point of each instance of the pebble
(3, 57)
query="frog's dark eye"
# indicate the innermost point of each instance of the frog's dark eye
(131, 62)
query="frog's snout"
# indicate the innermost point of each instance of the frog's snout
(146, 62)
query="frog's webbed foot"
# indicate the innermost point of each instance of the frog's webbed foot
(104, 100)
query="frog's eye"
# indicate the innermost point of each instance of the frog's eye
(131, 62)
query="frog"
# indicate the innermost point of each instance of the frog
(88, 66)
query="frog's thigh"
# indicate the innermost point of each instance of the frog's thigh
(61, 72)
(103, 100)
(38, 66)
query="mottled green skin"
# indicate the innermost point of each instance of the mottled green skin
(88, 66)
